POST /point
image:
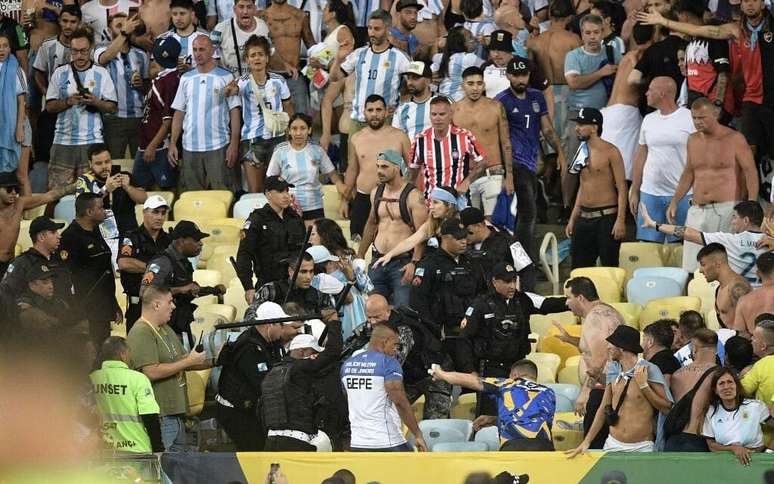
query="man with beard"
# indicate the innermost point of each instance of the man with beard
(600, 207)
(235, 31)
(527, 114)
(184, 31)
(413, 115)
(486, 119)
(365, 146)
(713, 263)
(400, 34)
(398, 209)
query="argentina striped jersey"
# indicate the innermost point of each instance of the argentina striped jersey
(375, 73)
(275, 90)
(130, 100)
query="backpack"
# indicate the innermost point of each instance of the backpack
(680, 414)
(405, 214)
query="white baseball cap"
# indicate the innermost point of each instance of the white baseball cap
(305, 341)
(270, 310)
(154, 201)
(321, 254)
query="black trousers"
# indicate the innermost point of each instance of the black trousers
(287, 444)
(243, 427)
(595, 400)
(525, 187)
(684, 442)
(133, 312)
(359, 210)
(592, 238)
(486, 404)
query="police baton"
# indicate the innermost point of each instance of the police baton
(298, 264)
(339, 303)
(236, 271)
(258, 322)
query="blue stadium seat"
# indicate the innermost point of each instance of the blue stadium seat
(460, 447)
(566, 390)
(643, 289)
(489, 436)
(65, 208)
(677, 274)
(564, 404)
(437, 431)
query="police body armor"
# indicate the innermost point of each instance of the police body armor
(505, 337)
(459, 289)
(230, 384)
(183, 314)
(285, 405)
(427, 348)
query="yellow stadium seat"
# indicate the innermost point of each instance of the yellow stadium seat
(219, 261)
(331, 202)
(206, 321)
(196, 384)
(229, 222)
(567, 431)
(569, 374)
(169, 225)
(33, 213)
(419, 407)
(138, 213)
(573, 361)
(673, 255)
(699, 287)
(204, 300)
(225, 196)
(534, 339)
(168, 196)
(669, 308)
(207, 277)
(125, 164)
(16, 250)
(226, 311)
(634, 255)
(630, 313)
(615, 273)
(541, 323)
(220, 234)
(344, 224)
(548, 365)
(235, 297)
(552, 344)
(465, 407)
(199, 209)
(711, 320)
(24, 241)
(608, 289)
(573, 329)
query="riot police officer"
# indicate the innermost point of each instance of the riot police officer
(172, 269)
(270, 236)
(445, 283)
(307, 297)
(137, 248)
(244, 363)
(486, 243)
(495, 331)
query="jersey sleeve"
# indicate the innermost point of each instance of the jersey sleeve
(392, 370)
(53, 85)
(348, 66)
(415, 153)
(143, 394)
(707, 430)
(493, 385)
(723, 238)
(39, 64)
(274, 165)
(326, 166)
(572, 63)
(284, 90)
(718, 52)
(180, 100)
(761, 411)
(403, 63)
(543, 105)
(232, 101)
(98, 52)
(108, 89)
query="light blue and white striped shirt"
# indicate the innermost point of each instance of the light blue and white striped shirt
(186, 43)
(302, 169)
(412, 117)
(130, 100)
(76, 126)
(451, 85)
(375, 73)
(364, 8)
(200, 96)
(275, 90)
(51, 54)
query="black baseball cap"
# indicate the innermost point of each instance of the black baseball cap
(38, 272)
(408, 3)
(471, 216)
(504, 271)
(626, 338)
(589, 116)
(8, 179)
(166, 51)
(186, 228)
(41, 224)
(454, 228)
(277, 184)
(517, 66)
(501, 40)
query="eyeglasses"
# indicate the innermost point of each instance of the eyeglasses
(80, 51)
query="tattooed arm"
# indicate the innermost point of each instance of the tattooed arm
(38, 199)
(547, 128)
(737, 290)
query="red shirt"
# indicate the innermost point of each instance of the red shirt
(446, 161)
(158, 106)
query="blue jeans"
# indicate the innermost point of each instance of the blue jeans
(398, 448)
(173, 433)
(657, 206)
(386, 279)
(300, 94)
(157, 172)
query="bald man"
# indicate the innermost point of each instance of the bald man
(662, 147)
(721, 172)
(417, 350)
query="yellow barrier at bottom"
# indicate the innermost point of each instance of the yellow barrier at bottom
(414, 467)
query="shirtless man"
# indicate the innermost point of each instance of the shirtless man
(364, 147)
(156, 16)
(703, 347)
(713, 263)
(622, 114)
(760, 300)
(600, 207)
(12, 207)
(486, 119)
(289, 25)
(645, 396)
(599, 322)
(395, 217)
(719, 166)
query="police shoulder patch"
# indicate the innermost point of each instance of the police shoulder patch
(247, 225)
(469, 311)
(127, 241)
(154, 268)
(419, 271)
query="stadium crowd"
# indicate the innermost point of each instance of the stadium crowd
(429, 138)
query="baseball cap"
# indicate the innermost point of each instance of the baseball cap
(38, 272)
(321, 254)
(154, 201)
(501, 40)
(186, 228)
(391, 156)
(454, 228)
(270, 310)
(626, 338)
(302, 341)
(166, 51)
(504, 271)
(408, 3)
(41, 224)
(8, 179)
(517, 66)
(589, 116)
(471, 215)
(277, 184)
(419, 68)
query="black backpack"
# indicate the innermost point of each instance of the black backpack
(680, 414)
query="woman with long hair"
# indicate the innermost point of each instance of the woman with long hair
(260, 91)
(456, 57)
(303, 164)
(445, 203)
(733, 423)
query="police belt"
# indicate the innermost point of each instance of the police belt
(293, 434)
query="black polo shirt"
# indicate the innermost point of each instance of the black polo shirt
(138, 244)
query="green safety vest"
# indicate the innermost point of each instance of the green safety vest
(123, 395)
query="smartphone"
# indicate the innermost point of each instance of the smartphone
(273, 473)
